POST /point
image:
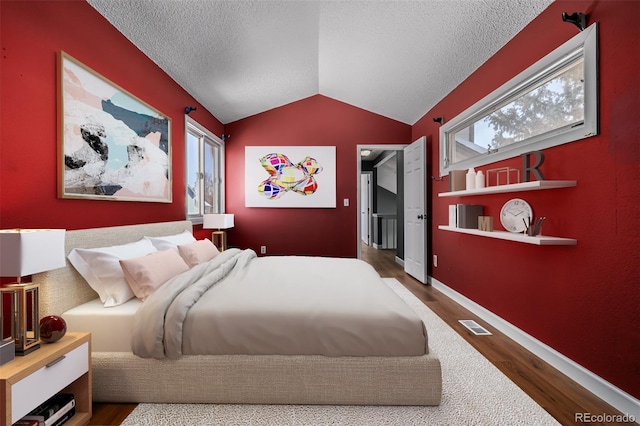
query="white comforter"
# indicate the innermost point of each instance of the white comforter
(239, 303)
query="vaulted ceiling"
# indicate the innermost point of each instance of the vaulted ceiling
(394, 58)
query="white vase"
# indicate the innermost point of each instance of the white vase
(479, 179)
(471, 179)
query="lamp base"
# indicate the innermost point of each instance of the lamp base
(219, 238)
(27, 351)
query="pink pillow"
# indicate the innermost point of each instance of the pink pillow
(198, 252)
(145, 274)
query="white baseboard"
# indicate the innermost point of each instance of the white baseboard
(399, 261)
(614, 396)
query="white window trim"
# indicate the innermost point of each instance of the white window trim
(191, 123)
(587, 40)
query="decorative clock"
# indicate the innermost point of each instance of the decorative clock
(516, 215)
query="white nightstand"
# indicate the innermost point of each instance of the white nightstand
(29, 380)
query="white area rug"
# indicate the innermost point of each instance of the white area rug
(474, 393)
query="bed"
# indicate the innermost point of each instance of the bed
(295, 374)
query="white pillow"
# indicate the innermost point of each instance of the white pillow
(100, 267)
(171, 241)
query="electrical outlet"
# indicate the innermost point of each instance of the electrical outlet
(263, 249)
(435, 260)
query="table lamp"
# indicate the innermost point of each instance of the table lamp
(219, 221)
(24, 252)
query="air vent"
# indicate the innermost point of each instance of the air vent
(475, 328)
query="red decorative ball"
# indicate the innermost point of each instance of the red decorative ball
(52, 328)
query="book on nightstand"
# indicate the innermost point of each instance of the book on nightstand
(23, 422)
(55, 411)
(63, 417)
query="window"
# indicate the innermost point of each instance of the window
(552, 102)
(204, 171)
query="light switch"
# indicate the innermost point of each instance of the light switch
(346, 202)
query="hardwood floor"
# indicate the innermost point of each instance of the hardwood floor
(110, 414)
(556, 393)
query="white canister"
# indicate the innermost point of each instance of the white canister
(471, 179)
(479, 179)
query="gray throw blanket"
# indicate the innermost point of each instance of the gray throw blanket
(239, 303)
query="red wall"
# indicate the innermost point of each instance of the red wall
(583, 301)
(33, 32)
(317, 120)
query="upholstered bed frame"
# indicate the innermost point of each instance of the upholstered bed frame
(251, 379)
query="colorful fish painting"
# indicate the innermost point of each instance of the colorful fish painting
(284, 176)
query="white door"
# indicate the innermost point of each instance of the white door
(365, 208)
(415, 210)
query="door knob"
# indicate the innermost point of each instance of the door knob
(420, 216)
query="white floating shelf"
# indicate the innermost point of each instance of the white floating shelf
(540, 240)
(514, 187)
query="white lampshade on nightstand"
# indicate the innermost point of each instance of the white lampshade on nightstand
(24, 252)
(219, 221)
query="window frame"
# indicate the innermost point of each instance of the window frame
(191, 125)
(582, 45)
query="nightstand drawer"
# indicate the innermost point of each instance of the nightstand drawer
(45, 382)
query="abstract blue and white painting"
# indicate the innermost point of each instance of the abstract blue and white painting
(114, 146)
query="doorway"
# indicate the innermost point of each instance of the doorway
(372, 154)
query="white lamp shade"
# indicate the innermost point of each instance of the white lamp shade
(217, 221)
(29, 251)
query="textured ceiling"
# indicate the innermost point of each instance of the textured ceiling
(394, 58)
